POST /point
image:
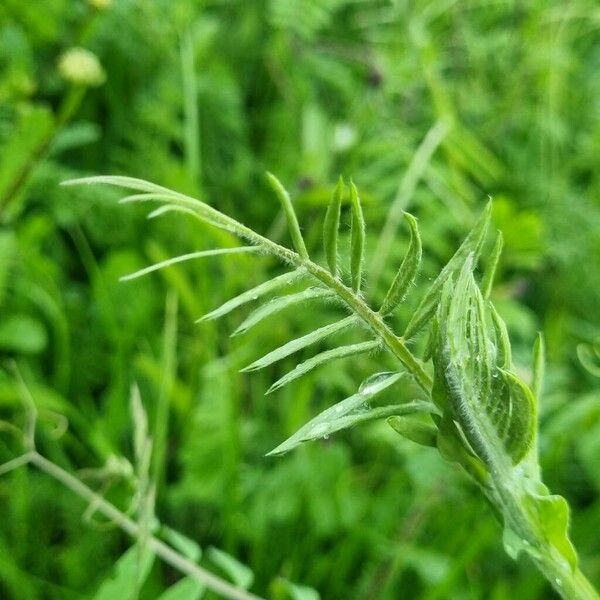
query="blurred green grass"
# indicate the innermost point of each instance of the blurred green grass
(203, 97)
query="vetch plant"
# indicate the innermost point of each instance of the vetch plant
(473, 407)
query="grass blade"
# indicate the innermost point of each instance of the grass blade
(299, 343)
(357, 239)
(290, 214)
(321, 359)
(281, 303)
(408, 269)
(182, 258)
(253, 294)
(331, 227)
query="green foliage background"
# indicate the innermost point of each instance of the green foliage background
(203, 97)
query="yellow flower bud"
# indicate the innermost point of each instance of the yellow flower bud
(81, 67)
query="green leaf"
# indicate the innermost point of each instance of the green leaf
(521, 426)
(352, 411)
(472, 244)
(290, 214)
(187, 588)
(321, 359)
(281, 303)
(192, 255)
(552, 515)
(299, 343)
(254, 294)
(187, 546)
(357, 239)
(331, 226)
(408, 269)
(239, 573)
(414, 430)
(488, 277)
(130, 573)
(494, 408)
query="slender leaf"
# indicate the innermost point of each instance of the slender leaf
(357, 239)
(408, 269)
(290, 214)
(331, 227)
(192, 255)
(321, 359)
(281, 303)
(299, 343)
(539, 364)
(254, 294)
(496, 413)
(551, 512)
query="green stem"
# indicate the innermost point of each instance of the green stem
(158, 547)
(571, 584)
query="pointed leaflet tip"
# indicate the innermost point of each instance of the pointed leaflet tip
(357, 238)
(299, 343)
(321, 359)
(290, 214)
(472, 244)
(408, 269)
(490, 272)
(331, 226)
(253, 294)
